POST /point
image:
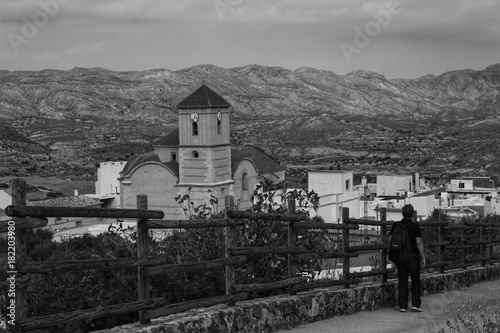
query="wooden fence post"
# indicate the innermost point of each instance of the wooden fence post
(383, 240)
(345, 244)
(143, 282)
(441, 247)
(21, 252)
(292, 241)
(229, 239)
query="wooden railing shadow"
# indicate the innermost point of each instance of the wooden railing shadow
(27, 274)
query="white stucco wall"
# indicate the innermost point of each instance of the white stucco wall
(165, 153)
(392, 184)
(327, 182)
(466, 184)
(5, 199)
(424, 205)
(107, 177)
(213, 165)
(330, 206)
(158, 182)
(336, 191)
(242, 197)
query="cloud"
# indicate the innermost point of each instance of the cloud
(338, 14)
(108, 10)
(11, 11)
(435, 22)
(136, 11)
(94, 48)
(294, 32)
(52, 55)
(282, 11)
(47, 56)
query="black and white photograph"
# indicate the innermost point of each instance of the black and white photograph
(243, 166)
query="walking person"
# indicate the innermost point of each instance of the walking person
(410, 266)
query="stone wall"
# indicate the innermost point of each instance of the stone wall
(285, 311)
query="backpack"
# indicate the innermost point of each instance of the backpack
(400, 245)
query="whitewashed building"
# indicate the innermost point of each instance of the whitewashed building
(336, 191)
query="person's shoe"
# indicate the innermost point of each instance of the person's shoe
(402, 310)
(416, 309)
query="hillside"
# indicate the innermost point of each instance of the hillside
(19, 152)
(252, 90)
(63, 122)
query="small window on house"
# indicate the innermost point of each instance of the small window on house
(173, 156)
(347, 183)
(223, 193)
(195, 129)
(461, 185)
(218, 127)
(244, 181)
(194, 154)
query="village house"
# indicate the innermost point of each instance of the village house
(66, 227)
(336, 191)
(470, 196)
(5, 200)
(197, 159)
(107, 186)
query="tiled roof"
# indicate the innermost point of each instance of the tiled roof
(139, 159)
(149, 157)
(72, 201)
(174, 166)
(203, 98)
(263, 162)
(171, 139)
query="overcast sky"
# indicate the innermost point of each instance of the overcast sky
(405, 38)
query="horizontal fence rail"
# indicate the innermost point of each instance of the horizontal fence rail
(37, 211)
(31, 273)
(24, 224)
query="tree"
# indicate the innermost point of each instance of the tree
(264, 233)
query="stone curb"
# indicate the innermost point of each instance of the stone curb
(285, 311)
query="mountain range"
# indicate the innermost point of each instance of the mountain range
(55, 122)
(252, 90)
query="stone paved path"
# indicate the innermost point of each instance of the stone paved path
(438, 308)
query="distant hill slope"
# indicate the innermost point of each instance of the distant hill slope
(9, 136)
(61, 123)
(252, 90)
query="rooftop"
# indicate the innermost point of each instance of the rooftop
(330, 171)
(263, 162)
(203, 98)
(71, 201)
(148, 157)
(170, 140)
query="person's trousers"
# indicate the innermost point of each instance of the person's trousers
(412, 270)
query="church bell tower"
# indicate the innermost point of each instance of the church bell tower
(204, 146)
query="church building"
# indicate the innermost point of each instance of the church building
(197, 158)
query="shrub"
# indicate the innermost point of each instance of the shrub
(75, 290)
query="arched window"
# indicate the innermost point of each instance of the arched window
(218, 127)
(244, 181)
(173, 156)
(195, 129)
(194, 154)
(223, 193)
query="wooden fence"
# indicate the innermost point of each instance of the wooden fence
(27, 274)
